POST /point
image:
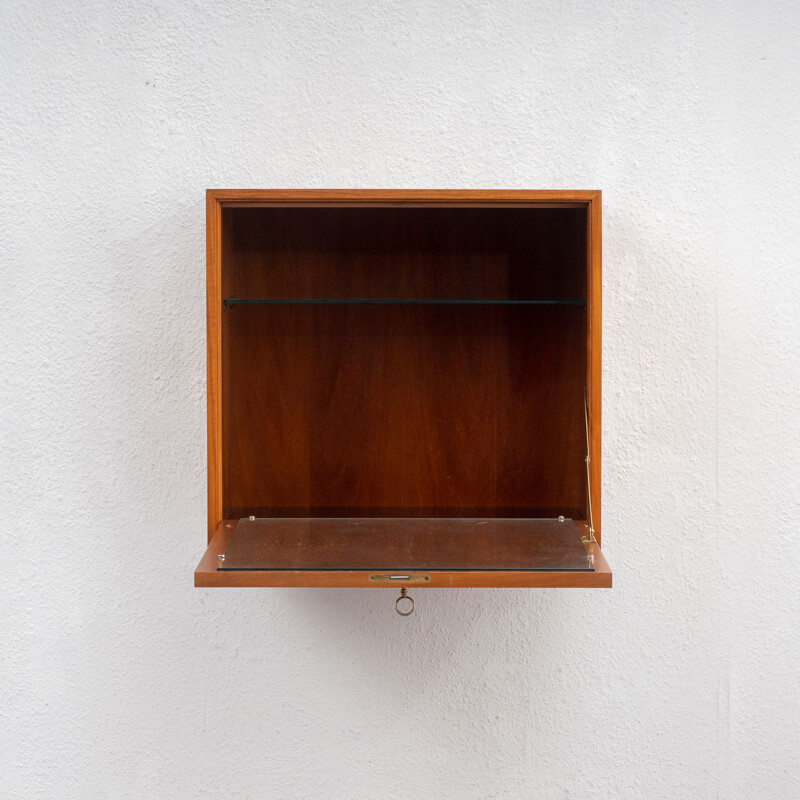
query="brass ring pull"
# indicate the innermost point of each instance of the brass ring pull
(404, 596)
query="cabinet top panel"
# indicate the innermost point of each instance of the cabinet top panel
(472, 197)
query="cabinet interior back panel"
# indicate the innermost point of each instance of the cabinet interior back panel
(404, 409)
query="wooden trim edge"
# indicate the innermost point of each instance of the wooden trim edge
(401, 196)
(594, 354)
(214, 359)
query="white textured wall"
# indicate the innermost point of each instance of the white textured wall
(118, 679)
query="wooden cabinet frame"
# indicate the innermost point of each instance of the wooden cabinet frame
(220, 528)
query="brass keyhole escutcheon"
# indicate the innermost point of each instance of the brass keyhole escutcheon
(406, 602)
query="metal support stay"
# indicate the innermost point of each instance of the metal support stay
(590, 537)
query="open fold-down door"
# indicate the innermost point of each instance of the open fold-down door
(403, 551)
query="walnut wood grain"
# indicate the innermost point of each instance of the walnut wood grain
(404, 406)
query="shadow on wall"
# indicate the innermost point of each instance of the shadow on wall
(155, 416)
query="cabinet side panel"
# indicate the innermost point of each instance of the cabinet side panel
(213, 359)
(594, 350)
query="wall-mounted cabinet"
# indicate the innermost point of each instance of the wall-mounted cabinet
(403, 388)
